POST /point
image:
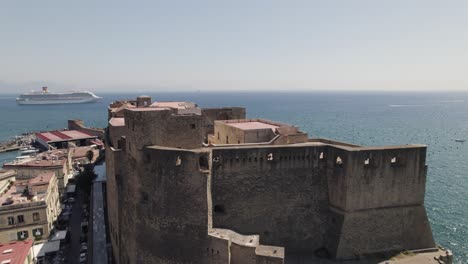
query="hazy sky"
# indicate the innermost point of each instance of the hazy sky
(234, 45)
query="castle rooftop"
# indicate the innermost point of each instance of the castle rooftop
(251, 125)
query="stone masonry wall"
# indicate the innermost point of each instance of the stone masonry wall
(377, 197)
(164, 128)
(284, 199)
(171, 207)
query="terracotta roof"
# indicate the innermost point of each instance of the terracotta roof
(41, 179)
(16, 251)
(80, 152)
(66, 135)
(35, 163)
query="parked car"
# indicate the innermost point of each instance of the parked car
(84, 248)
(83, 257)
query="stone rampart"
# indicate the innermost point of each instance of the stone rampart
(79, 126)
(280, 193)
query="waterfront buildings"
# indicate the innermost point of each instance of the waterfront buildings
(57, 161)
(64, 139)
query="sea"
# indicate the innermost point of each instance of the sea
(435, 119)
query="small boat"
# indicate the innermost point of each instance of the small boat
(23, 157)
(459, 140)
(29, 151)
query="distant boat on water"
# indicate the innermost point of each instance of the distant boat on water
(46, 97)
(459, 140)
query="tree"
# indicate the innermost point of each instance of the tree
(85, 179)
(90, 155)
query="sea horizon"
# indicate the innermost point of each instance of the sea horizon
(363, 118)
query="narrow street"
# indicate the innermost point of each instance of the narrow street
(75, 231)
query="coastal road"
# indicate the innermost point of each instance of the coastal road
(75, 231)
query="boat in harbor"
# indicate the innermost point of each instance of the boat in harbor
(46, 97)
(459, 140)
(28, 151)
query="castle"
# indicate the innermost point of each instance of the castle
(193, 185)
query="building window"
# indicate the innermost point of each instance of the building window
(22, 235)
(192, 126)
(38, 232)
(36, 217)
(20, 219)
(11, 220)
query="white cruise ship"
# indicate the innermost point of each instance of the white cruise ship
(46, 97)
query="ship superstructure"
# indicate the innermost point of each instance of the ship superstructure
(46, 97)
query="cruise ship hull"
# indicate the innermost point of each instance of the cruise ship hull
(57, 101)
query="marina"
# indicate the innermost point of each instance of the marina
(22, 142)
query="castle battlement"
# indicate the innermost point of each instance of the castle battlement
(214, 187)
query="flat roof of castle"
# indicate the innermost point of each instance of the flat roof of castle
(175, 105)
(144, 109)
(251, 125)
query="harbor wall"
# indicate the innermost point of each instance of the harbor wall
(78, 125)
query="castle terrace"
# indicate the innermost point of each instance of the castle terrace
(251, 125)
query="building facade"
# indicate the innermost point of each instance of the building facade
(29, 208)
(57, 161)
(188, 185)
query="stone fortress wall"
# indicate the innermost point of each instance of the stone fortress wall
(173, 198)
(77, 124)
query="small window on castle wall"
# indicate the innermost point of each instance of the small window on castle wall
(144, 197)
(270, 157)
(367, 162)
(321, 156)
(192, 126)
(219, 208)
(178, 161)
(393, 160)
(339, 161)
(203, 163)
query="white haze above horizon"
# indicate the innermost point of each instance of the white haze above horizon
(114, 46)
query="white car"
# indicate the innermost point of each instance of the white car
(83, 257)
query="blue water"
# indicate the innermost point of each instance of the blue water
(434, 119)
